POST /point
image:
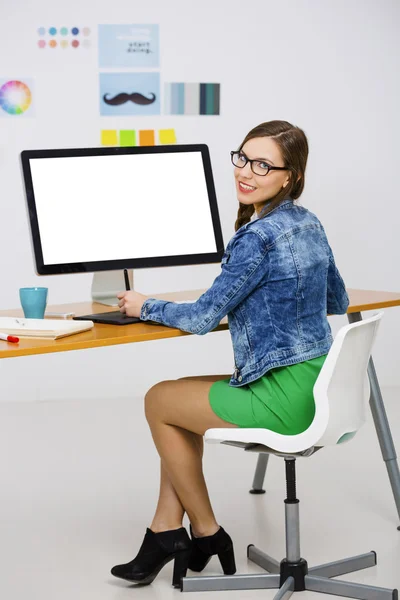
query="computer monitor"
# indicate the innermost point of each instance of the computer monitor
(108, 209)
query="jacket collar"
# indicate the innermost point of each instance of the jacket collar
(284, 202)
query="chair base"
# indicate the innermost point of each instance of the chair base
(292, 577)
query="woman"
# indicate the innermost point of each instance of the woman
(278, 281)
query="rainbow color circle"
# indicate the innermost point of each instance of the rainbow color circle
(15, 97)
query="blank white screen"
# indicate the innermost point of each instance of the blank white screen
(100, 208)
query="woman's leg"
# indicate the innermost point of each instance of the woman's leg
(175, 410)
(169, 512)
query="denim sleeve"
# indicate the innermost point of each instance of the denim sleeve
(337, 298)
(242, 269)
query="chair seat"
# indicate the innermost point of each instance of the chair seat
(273, 443)
(260, 449)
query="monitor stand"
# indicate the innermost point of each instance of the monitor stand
(107, 284)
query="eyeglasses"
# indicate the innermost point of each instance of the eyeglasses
(259, 167)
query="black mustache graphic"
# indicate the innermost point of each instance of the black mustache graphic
(135, 97)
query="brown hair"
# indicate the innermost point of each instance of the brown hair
(293, 145)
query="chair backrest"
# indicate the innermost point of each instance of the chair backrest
(342, 387)
(340, 392)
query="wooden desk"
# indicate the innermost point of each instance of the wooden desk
(101, 334)
(110, 335)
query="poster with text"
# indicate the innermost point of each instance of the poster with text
(129, 46)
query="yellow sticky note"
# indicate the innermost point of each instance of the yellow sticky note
(109, 137)
(146, 137)
(167, 136)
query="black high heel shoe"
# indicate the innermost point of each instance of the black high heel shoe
(203, 548)
(155, 552)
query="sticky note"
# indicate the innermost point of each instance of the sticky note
(167, 136)
(146, 137)
(109, 137)
(127, 137)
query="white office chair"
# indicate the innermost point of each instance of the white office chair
(341, 393)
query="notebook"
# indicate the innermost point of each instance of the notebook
(43, 328)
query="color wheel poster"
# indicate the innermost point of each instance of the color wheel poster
(16, 99)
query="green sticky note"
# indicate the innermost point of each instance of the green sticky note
(127, 137)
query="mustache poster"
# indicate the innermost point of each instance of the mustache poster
(129, 94)
(136, 98)
(129, 46)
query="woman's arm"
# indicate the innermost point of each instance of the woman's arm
(243, 268)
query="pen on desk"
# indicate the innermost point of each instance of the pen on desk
(127, 286)
(9, 338)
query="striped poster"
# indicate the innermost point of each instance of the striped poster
(192, 99)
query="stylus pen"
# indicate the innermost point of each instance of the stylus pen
(127, 286)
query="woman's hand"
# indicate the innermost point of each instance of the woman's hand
(131, 303)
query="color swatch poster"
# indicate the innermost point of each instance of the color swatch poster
(16, 98)
(129, 94)
(63, 37)
(192, 98)
(129, 46)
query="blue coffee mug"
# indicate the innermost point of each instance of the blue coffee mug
(33, 301)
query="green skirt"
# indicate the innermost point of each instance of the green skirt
(282, 400)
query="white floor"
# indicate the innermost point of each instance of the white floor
(79, 484)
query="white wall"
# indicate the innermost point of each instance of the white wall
(330, 67)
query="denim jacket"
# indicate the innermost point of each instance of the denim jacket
(277, 283)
